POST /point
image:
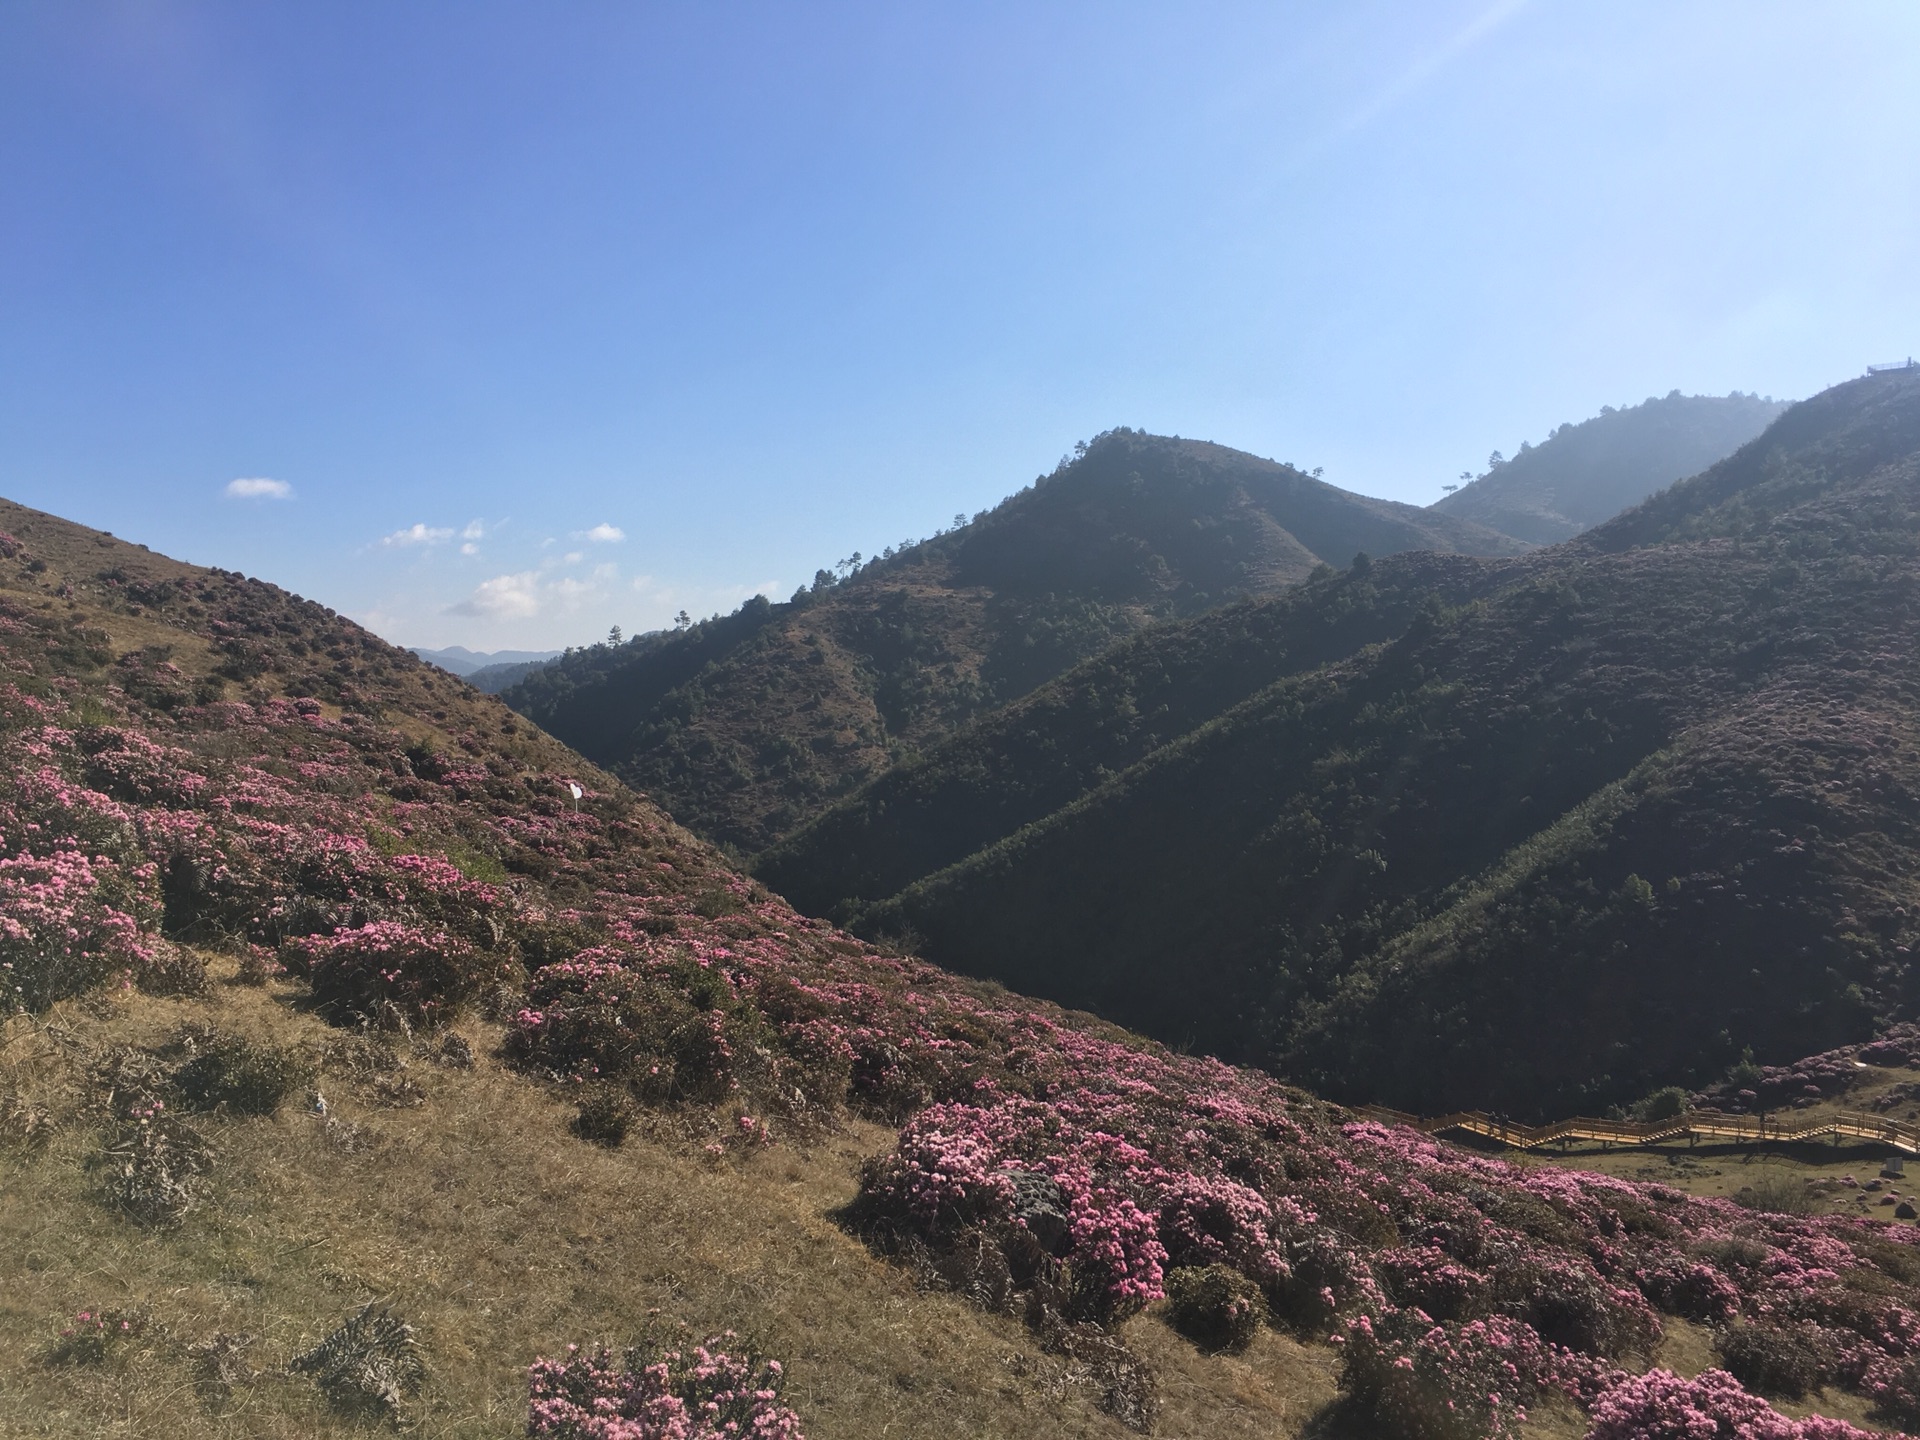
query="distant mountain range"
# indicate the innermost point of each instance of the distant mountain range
(1584, 474)
(487, 671)
(464, 662)
(745, 726)
(1536, 833)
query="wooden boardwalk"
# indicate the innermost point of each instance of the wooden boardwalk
(1900, 1135)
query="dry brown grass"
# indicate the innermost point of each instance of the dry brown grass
(481, 1219)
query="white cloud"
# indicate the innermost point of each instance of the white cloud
(504, 597)
(601, 534)
(417, 535)
(530, 594)
(473, 531)
(572, 557)
(469, 548)
(259, 488)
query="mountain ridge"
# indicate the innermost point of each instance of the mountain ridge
(1258, 885)
(743, 725)
(1583, 475)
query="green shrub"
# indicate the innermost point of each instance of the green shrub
(556, 938)
(1663, 1104)
(1776, 1195)
(1745, 1075)
(1215, 1306)
(606, 1115)
(249, 1078)
(1771, 1361)
(716, 901)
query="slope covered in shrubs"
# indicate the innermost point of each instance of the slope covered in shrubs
(338, 884)
(745, 725)
(1582, 475)
(1583, 824)
(1029, 759)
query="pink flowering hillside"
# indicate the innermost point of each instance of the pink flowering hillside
(386, 1086)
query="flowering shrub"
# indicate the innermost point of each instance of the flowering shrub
(1661, 1406)
(1428, 1279)
(94, 1335)
(702, 1392)
(959, 1166)
(1829, 1074)
(1571, 1306)
(1216, 1307)
(1403, 1375)
(386, 967)
(1895, 1386)
(1211, 1220)
(68, 922)
(1680, 1285)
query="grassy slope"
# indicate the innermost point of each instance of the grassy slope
(746, 726)
(1585, 474)
(503, 1237)
(1388, 845)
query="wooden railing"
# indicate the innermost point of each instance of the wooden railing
(1692, 1127)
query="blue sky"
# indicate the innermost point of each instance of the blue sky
(546, 318)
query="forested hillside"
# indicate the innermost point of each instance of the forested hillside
(1029, 759)
(1536, 834)
(1584, 474)
(744, 727)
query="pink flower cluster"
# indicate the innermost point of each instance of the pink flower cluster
(1712, 1406)
(69, 921)
(1411, 1377)
(384, 963)
(701, 1393)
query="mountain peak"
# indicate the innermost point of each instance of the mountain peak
(742, 726)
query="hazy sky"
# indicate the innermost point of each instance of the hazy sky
(540, 318)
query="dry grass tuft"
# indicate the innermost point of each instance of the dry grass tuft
(370, 1365)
